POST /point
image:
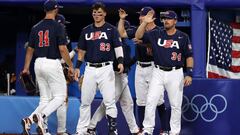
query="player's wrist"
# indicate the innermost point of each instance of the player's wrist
(120, 60)
(78, 64)
(189, 71)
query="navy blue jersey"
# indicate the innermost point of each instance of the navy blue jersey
(45, 38)
(170, 51)
(99, 42)
(141, 51)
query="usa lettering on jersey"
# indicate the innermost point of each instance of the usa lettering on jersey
(168, 43)
(96, 35)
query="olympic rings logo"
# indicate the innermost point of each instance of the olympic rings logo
(190, 107)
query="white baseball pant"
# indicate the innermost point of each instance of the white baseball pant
(143, 76)
(62, 117)
(124, 96)
(52, 85)
(172, 81)
(104, 79)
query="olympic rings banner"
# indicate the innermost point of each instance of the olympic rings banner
(211, 107)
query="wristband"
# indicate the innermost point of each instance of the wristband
(120, 60)
(79, 63)
(189, 71)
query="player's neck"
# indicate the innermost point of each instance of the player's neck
(50, 16)
(99, 24)
(171, 31)
(150, 26)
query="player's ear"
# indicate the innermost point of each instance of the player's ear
(56, 11)
(175, 21)
(104, 14)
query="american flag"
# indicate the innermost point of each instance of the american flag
(224, 50)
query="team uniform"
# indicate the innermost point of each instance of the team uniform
(62, 110)
(45, 38)
(169, 54)
(143, 76)
(99, 44)
(123, 94)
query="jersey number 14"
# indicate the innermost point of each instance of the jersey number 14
(43, 38)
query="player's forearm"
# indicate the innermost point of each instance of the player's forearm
(189, 62)
(81, 55)
(65, 55)
(118, 51)
(28, 57)
(71, 54)
(119, 54)
(121, 29)
(140, 31)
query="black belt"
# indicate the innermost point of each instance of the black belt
(98, 65)
(167, 68)
(50, 58)
(144, 65)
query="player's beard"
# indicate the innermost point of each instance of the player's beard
(169, 27)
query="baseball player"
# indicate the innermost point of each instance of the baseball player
(171, 49)
(62, 110)
(123, 94)
(144, 69)
(47, 42)
(97, 44)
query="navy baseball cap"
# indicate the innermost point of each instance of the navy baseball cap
(51, 5)
(145, 10)
(61, 19)
(168, 14)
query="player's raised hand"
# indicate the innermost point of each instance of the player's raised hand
(76, 74)
(121, 68)
(149, 17)
(187, 80)
(122, 14)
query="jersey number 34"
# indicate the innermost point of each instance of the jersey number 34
(43, 38)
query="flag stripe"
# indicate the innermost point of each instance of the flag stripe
(236, 32)
(214, 75)
(235, 54)
(236, 46)
(236, 39)
(235, 25)
(222, 72)
(235, 69)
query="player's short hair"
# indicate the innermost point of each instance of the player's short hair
(98, 5)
